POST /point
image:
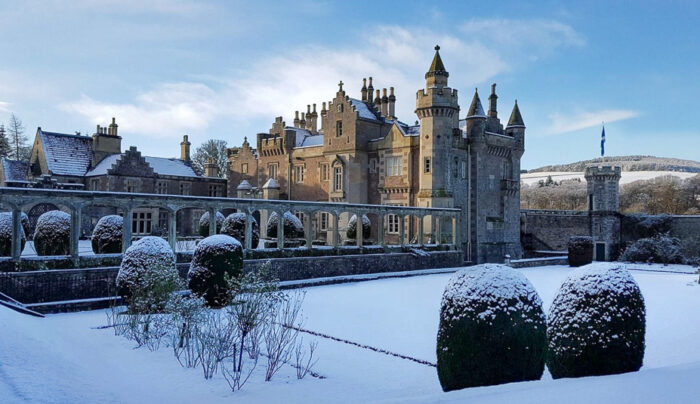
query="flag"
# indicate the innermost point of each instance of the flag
(602, 143)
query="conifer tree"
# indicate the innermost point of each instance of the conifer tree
(4, 142)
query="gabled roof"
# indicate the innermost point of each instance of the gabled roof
(305, 138)
(363, 110)
(160, 165)
(66, 154)
(515, 118)
(14, 170)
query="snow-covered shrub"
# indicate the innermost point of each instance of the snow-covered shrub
(596, 323)
(580, 250)
(204, 223)
(52, 233)
(492, 329)
(293, 228)
(642, 225)
(6, 234)
(352, 227)
(107, 235)
(659, 249)
(215, 260)
(234, 226)
(147, 275)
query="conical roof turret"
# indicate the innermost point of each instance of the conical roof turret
(437, 67)
(476, 109)
(515, 118)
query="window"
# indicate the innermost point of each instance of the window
(426, 165)
(95, 185)
(373, 166)
(507, 170)
(323, 221)
(341, 108)
(244, 168)
(162, 187)
(185, 188)
(337, 178)
(131, 186)
(463, 169)
(299, 172)
(455, 168)
(392, 224)
(324, 172)
(339, 128)
(393, 166)
(214, 190)
(272, 170)
(141, 222)
(163, 219)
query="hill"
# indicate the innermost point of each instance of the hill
(628, 163)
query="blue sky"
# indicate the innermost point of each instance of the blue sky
(226, 69)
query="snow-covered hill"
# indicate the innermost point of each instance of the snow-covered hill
(627, 176)
(628, 163)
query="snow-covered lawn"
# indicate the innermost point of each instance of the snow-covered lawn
(627, 176)
(61, 359)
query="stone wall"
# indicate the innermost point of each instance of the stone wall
(687, 229)
(550, 230)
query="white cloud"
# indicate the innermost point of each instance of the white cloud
(281, 83)
(4, 106)
(564, 123)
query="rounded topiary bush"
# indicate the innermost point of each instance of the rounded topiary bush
(52, 233)
(660, 249)
(204, 223)
(147, 275)
(234, 226)
(580, 250)
(352, 227)
(107, 235)
(216, 259)
(6, 235)
(596, 324)
(492, 329)
(293, 228)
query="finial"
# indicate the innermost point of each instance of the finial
(340, 85)
(437, 47)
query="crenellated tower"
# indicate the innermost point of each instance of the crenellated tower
(437, 108)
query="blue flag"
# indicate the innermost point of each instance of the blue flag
(602, 143)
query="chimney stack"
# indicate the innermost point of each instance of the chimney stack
(113, 127)
(385, 103)
(211, 169)
(302, 121)
(378, 100)
(392, 103)
(296, 119)
(364, 90)
(185, 149)
(314, 119)
(493, 113)
(370, 90)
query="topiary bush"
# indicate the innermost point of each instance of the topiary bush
(659, 249)
(216, 259)
(580, 250)
(492, 329)
(234, 226)
(52, 233)
(204, 223)
(596, 324)
(147, 275)
(352, 227)
(6, 234)
(107, 235)
(293, 228)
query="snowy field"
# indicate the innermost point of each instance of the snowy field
(63, 359)
(627, 176)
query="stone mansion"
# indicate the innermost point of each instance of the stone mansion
(356, 150)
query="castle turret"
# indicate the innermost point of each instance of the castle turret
(603, 183)
(437, 108)
(516, 126)
(105, 141)
(476, 118)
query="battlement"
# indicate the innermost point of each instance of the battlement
(603, 171)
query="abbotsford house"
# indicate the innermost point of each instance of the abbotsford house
(97, 163)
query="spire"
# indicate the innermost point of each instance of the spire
(515, 118)
(475, 109)
(437, 67)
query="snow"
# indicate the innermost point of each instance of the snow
(66, 154)
(362, 109)
(62, 359)
(14, 170)
(149, 255)
(627, 176)
(160, 165)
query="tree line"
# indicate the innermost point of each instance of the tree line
(666, 194)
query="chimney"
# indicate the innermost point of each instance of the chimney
(211, 169)
(113, 127)
(493, 113)
(392, 103)
(314, 119)
(364, 90)
(324, 111)
(385, 103)
(378, 101)
(370, 90)
(309, 118)
(185, 149)
(296, 119)
(302, 121)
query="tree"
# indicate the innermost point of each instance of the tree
(18, 141)
(212, 149)
(4, 142)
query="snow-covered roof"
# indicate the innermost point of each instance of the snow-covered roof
(66, 154)
(271, 183)
(14, 170)
(362, 109)
(160, 165)
(305, 138)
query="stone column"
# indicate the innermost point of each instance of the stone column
(307, 230)
(243, 189)
(75, 234)
(16, 235)
(212, 220)
(172, 229)
(271, 190)
(280, 229)
(336, 233)
(380, 230)
(359, 228)
(248, 243)
(402, 229)
(420, 230)
(126, 235)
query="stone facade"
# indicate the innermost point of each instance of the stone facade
(356, 150)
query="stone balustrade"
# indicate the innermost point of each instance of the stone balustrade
(18, 200)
